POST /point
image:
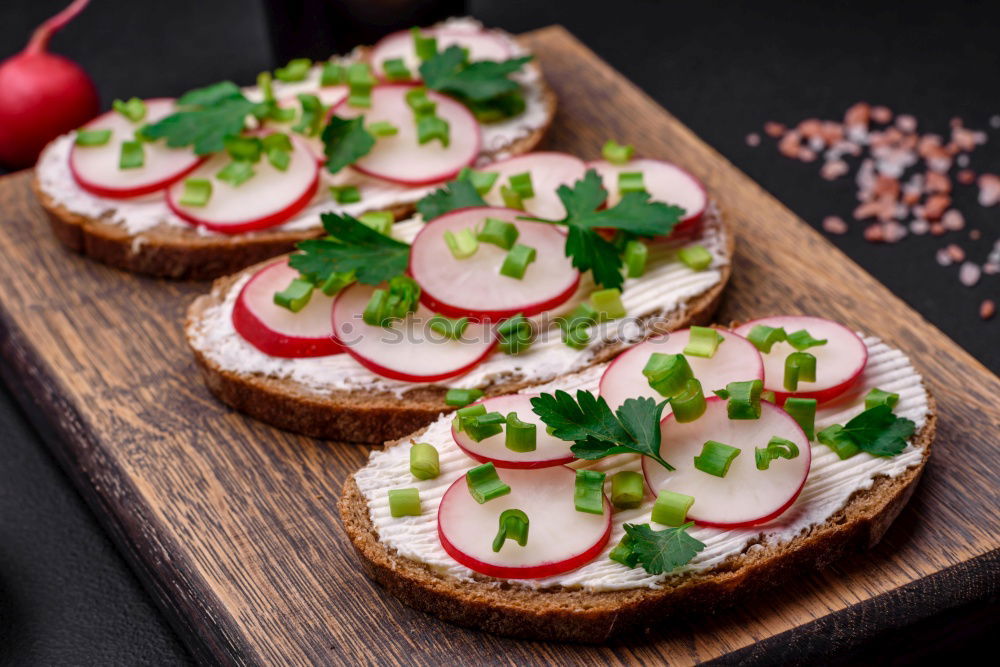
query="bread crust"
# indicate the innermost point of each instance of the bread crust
(560, 614)
(168, 251)
(371, 417)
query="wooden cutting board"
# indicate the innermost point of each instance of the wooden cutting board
(233, 525)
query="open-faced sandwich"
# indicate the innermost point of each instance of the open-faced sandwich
(224, 177)
(538, 266)
(695, 468)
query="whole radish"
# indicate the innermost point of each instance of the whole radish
(42, 95)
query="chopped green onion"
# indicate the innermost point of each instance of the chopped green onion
(668, 374)
(276, 141)
(380, 221)
(336, 282)
(715, 458)
(430, 128)
(513, 526)
(383, 128)
(462, 244)
(360, 81)
(421, 104)
(134, 109)
(490, 419)
(282, 114)
(465, 415)
(576, 337)
(499, 233)
(764, 337)
(513, 325)
(345, 194)
(776, 448)
(521, 184)
(462, 397)
(608, 303)
(801, 340)
(425, 46)
(690, 403)
(630, 181)
(395, 69)
(511, 199)
(799, 366)
(703, 342)
(636, 254)
(197, 192)
(132, 155)
(313, 114)
(482, 426)
(670, 508)
(484, 483)
(616, 153)
(582, 316)
(624, 552)
(361, 100)
(588, 495)
(244, 148)
(723, 394)
(295, 296)
(803, 411)
(841, 443)
(521, 436)
(92, 137)
(236, 173)
(879, 397)
(627, 489)
(424, 461)
(333, 74)
(767, 395)
(374, 313)
(744, 399)
(279, 159)
(696, 257)
(404, 502)
(517, 260)
(482, 181)
(295, 70)
(447, 327)
(266, 84)
(515, 335)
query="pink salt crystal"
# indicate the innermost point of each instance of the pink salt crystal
(943, 258)
(919, 226)
(975, 234)
(966, 177)
(969, 274)
(935, 206)
(987, 309)
(789, 144)
(989, 189)
(857, 114)
(953, 220)
(937, 182)
(773, 129)
(834, 224)
(833, 169)
(881, 114)
(906, 123)
(873, 234)
(962, 160)
(955, 252)
(991, 269)
(995, 121)
(937, 229)
(807, 155)
(893, 232)
(753, 140)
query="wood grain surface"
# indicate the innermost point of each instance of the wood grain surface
(232, 524)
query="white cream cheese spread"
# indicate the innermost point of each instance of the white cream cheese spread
(830, 485)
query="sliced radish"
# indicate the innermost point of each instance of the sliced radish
(268, 199)
(408, 350)
(330, 96)
(278, 331)
(839, 363)
(735, 360)
(746, 496)
(560, 538)
(482, 45)
(473, 286)
(665, 182)
(549, 450)
(548, 171)
(95, 168)
(399, 158)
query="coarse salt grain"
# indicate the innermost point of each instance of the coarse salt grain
(969, 274)
(989, 189)
(987, 309)
(919, 226)
(955, 252)
(953, 220)
(834, 224)
(833, 169)
(753, 140)
(943, 258)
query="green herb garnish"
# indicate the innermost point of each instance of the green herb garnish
(453, 196)
(484, 86)
(660, 551)
(352, 246)
(345, 140)
(876, 431)
(207, 116)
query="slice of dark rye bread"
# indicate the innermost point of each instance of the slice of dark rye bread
(375, 417)
(561, 614)
(171, 251)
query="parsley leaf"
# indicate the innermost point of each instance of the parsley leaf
(596, 431)
(451, 197)
(345, 140)
(660, 551)
(634, 214)
(879, 432)
(448, 72)
(207, 117)
(354, 246)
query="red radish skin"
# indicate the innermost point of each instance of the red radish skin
(473, 287)
(550, 451)
(548, 169)
(407, 351)
(746, 489)
(276, 331)
(95, 168)
(466, 529)
(44, 94)
(279, 195)
(735, 360)
(482, 45)
(665, 182)
(839, 363)
(399, 158)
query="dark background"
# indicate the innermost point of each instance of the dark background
(724, 68)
